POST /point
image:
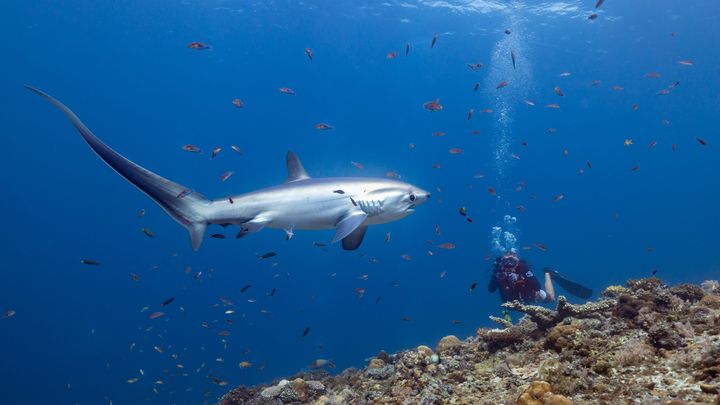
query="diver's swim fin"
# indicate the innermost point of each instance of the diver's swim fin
(570, 286)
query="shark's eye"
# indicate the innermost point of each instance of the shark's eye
(412, 197)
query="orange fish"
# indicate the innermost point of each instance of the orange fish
(391, 55)
(433, 105)
(502, 84)
(559, 91)
(287, 90)
(309, 54)
(446, 246)
(492, 191)
(701, 141)
(652, 75)
(238, 103)
(198, 46)
(226, 176)
(323, 126)
(191, 148)
(438, 134)
(156, 315)
(486, 111)
(540, 246)
(455, 151)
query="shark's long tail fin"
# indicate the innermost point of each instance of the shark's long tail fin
(184, 206)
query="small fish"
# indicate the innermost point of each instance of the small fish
(463, 212)
(217, 236)
(473, 286)
(406, 257)
(218, 381)
(558, 91)
(593, 16)
(387, 237)
(272, 293)
(226, 176)
(652, 75)
(378, 299)
(652, 144)
(455, 151)
(215, 152)
(319, 244)
(434, 41)
(287, 90)
(191, 148)
(486, 111)
(134, 277)
(392, 175)
(198, 46)
(391, 55)
(309, 54)
(628, 142)
(521, 208)
(306, 331)
(141, 213)
(502, 84)
(596, 83)
(236, 149)
(475, 66)
(338, 192)
(540, 246)
(476, 87)
(552, 105)
(515, 156)
(224, 333)
(674, 84)
(446, 246)
(360, 292)
(530, 103)
(168, 301)
(411, 146)
(433, 105)
(512, 56)
(8, 314)
(617, 88)
(244, 364)
(438, 134)
(184, 193)
(132, 381)
(156, 315)
(635, 107)
(589, 164)
(635, 168)
(242, 290)
(238, 103)
(701, 141)
(89, 262)
(406, 319)
(558, 197)
(492, 191)
(267, 255)
(599, 3)
(508, 32)
(357, 165)
(686, 62)
(443, 273)
(506, 315)
(407, 48)
(148, 232)
(456, 322)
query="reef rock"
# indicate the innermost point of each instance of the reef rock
(644, 343)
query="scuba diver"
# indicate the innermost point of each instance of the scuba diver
(515, 281)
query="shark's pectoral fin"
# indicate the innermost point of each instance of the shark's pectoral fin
(348, 224)
(353, 241)
(254, 225)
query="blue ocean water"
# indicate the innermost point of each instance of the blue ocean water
(79, 333)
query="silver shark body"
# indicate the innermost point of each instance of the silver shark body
(346, 204)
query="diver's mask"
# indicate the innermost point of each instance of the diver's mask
(509, 262)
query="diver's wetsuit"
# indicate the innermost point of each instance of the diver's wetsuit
(516, 283)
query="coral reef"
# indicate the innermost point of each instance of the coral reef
(645, 343)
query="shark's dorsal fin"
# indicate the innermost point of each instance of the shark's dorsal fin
(296, 171)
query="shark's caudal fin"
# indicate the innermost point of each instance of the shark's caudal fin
(184, 206)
